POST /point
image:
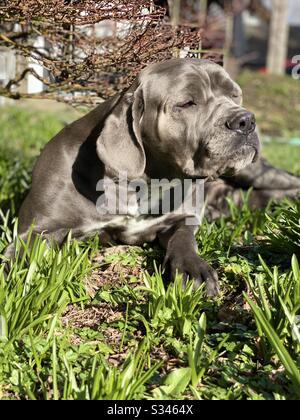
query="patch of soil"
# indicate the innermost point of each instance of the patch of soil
(76, 340)
(161, 354)
(91, 316)
(113, 336)
(7, 394)
(235, 309)
(112, 273)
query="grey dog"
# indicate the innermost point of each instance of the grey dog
(182, 119)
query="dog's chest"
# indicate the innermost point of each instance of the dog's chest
(132, 230)
(137, 230)
(135, 215)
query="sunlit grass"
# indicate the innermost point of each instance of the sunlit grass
(157, 340)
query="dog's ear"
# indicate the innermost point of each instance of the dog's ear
(119, 145)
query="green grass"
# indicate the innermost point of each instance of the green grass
(78, 325)
(275, 101)
(24, 130)
(284, 156)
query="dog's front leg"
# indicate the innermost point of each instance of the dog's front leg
(267, 182)
(182, 257)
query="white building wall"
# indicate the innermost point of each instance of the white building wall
(34, 85)
(7, 69)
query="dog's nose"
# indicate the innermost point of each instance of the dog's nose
(245, 123)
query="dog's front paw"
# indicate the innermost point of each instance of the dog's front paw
(193, 267)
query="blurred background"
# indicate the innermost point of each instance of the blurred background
(61, 57)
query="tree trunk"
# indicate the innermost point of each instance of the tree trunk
(278, 38)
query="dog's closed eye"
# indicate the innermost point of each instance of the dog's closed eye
(185, 104)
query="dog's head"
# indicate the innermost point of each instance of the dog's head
(187, 115)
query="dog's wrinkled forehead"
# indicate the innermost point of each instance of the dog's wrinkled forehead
(174, 75)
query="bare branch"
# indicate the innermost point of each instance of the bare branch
(76, 54)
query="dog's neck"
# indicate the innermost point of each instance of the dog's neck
(160, 166)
